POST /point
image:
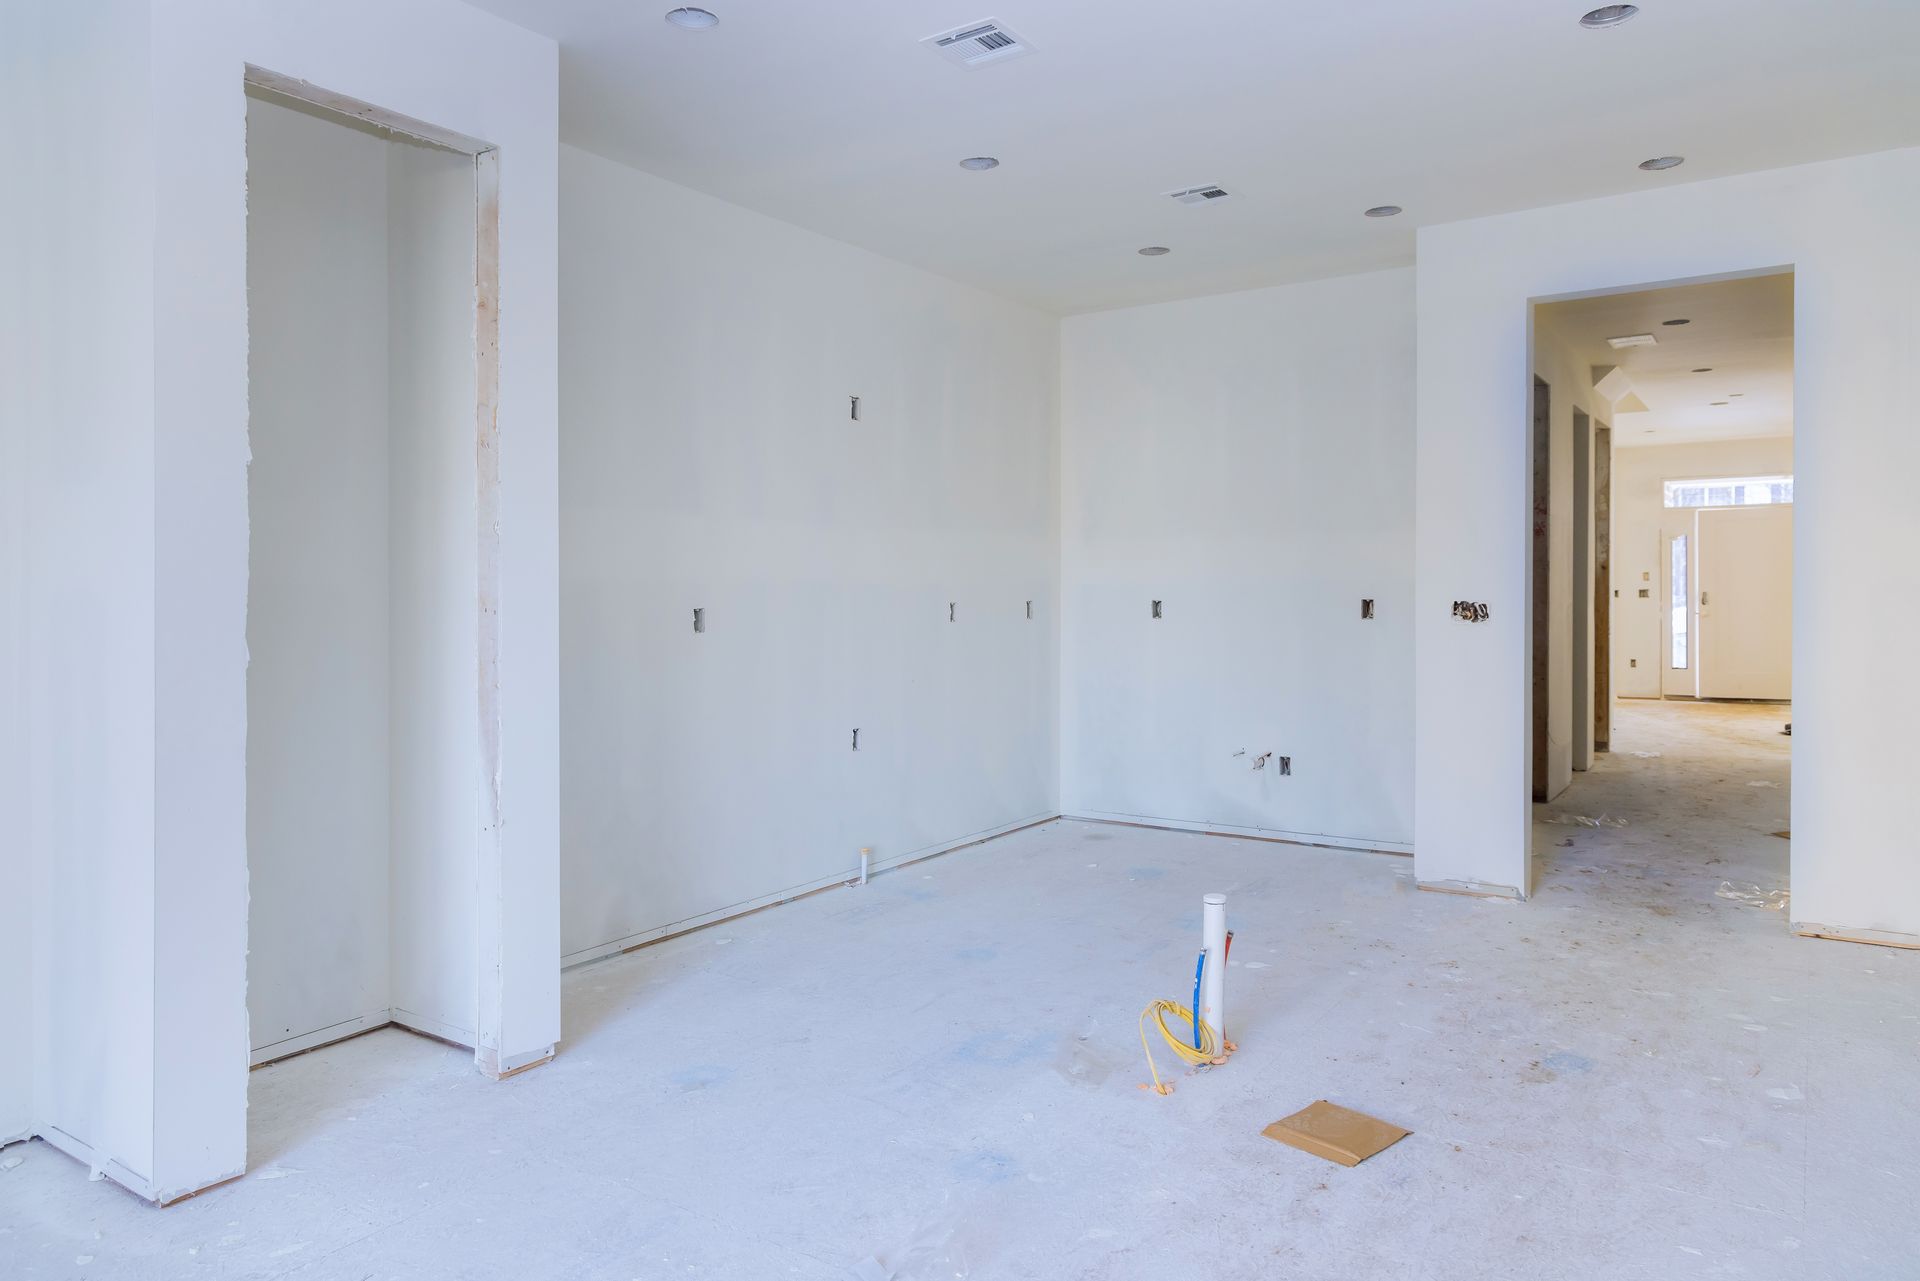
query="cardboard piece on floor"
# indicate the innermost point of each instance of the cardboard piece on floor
(1336, 1133)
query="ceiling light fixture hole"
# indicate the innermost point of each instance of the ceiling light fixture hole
(1608, 15)
(1681, 320)
(979, 164)
(692, 19)
(1154, 251)
(1383, 211)
(1658, 163)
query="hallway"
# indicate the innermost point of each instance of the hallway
(1702, 789)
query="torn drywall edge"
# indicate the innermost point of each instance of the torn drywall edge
(1319, 840)
(687, 925)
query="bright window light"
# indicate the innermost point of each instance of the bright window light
(1732, 491)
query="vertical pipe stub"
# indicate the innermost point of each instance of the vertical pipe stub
(1213, 992)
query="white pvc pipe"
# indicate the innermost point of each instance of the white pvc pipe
(866, 855)
(1213, 986)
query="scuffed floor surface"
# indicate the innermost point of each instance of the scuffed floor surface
(935, 1076)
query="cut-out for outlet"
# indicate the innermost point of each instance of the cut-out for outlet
(1156, 609)
(853, 408)
(856, 740)
(1366, 609)
(699, 620)
(1029, 609)
(1286, 764)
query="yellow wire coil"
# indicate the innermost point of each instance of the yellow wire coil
(1182, 1043)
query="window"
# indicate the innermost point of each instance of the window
(1734, 491)
(1677, 659)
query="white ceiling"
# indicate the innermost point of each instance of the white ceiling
(830, 114)
(1740, 331)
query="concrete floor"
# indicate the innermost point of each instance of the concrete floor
(935, 1076)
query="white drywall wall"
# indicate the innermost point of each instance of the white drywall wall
(136, 661)
(709, 461)
(1844, 226)
(435, 637)
(363, 766)
(317, 624)
(1639, 549)
(77, 387)
(1246, 460)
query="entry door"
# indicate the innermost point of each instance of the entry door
(1744, 565)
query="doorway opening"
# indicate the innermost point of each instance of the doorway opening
(1665, 648)
(372, 717)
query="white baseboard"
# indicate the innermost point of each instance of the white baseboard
(1325, 840)
(639, 938)
(99, 1164)
(292, 1045)
(425, 1026)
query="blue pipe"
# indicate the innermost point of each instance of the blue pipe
(1199, 968)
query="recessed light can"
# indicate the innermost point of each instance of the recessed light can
(1384, 211)
(1154, 251)
(979, 163)
(1658, 163)
(1607, 15)
(693, 19)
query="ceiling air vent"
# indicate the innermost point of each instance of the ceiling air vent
(1199, 195)
(979, 43)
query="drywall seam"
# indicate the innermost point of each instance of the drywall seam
(1325, 840)
(747, 906)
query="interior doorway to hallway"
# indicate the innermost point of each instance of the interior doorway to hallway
(1662, 432)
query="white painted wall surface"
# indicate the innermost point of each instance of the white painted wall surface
(1640, 524)
(1246, 460)
(444, 63)
(1844, 227)
(709, 462)
(434, 643)
(76, 395)
(362, 622)
(317, 617)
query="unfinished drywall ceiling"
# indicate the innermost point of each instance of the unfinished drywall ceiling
(1842, 227)
(890, 576)
(1724, 374)
(837, 118)
(1237, 479)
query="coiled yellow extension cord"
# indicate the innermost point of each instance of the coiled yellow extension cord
(1209, 1051)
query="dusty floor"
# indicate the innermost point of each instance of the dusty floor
(934, 1076)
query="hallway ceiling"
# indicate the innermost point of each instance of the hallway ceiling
(1740, 331)
(832, 115)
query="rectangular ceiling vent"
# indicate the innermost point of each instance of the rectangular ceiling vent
(1199, 195)
(978, 43)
